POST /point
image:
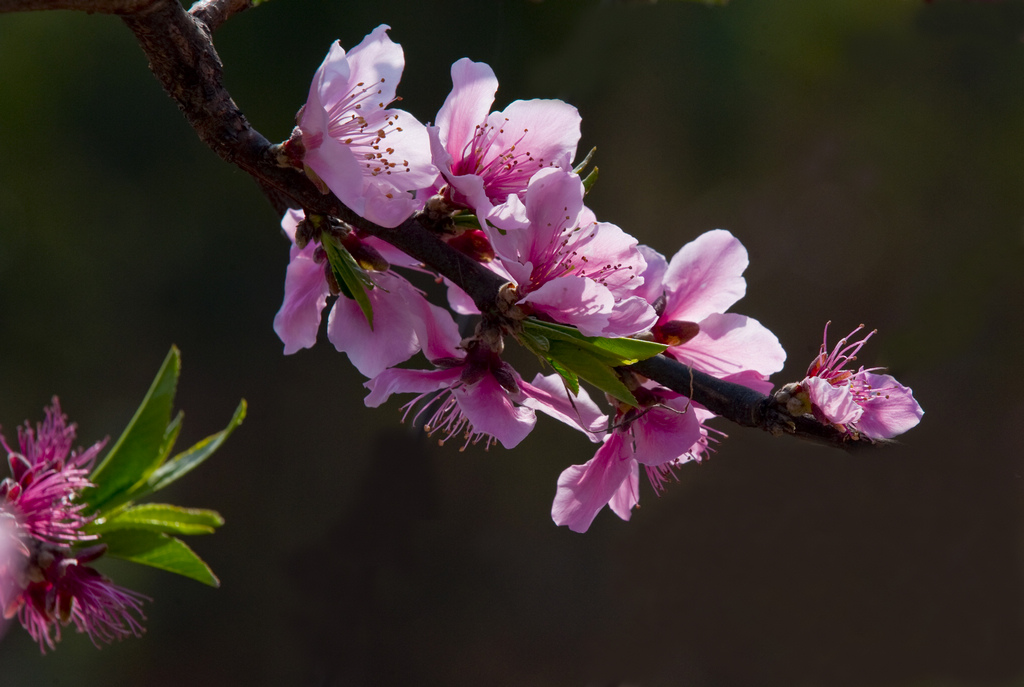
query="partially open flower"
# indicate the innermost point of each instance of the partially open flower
(43, 581)
(857, 402)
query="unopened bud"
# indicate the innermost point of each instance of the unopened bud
(675, 332)
(365, 256)
(291, 152)
(473, 243)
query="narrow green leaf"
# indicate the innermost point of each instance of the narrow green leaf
(185, 462)
(170, 437)
(160, 517)
(138, 448)
(535, 342)
(571, 379)
(586, 161)
(581, 361)
(159, 551)
(348, 272)
(589, 181)
(613, 351)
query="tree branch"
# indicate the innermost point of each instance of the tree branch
(213, 13)
(179, 47)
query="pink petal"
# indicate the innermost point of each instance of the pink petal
(397, 380)
(731, 343)
(652, 287)
(630, 316)
(337, 166)
(386, 204)
(582, 303)
(627, 496)
(489, 409)
(403, 322)
(305, 295)
(473, 89)
(705, 277)
(583, 490)
(891, 412)
(664, 434)
(549, 395)
(544, 132)
(377, 60)
(837, 403)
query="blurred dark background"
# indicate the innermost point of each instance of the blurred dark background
(869, 154)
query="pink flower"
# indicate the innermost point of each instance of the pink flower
(57, 588)
(566, 265)
(691, 294)
(403, 321)
(485, 158)
(369, 156)
(862, 402)
(666, 431)
(471, 393)
(42, 581)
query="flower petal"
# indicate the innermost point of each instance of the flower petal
(730, 343)
(473, 89)
(549, 395)
(891, 410)
(397, 380)
(489, 409)
(305, 295)
(837, 403)
(705, 277)
(583, 490)
(664, 434)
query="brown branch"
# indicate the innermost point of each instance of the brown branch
(213, 13)
(90, 6)
(181, 55)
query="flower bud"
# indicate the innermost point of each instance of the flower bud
(675, 332)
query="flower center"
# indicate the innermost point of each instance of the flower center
(505, 170)
(358, 120)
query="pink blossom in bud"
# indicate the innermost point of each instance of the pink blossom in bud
(403, 321)
(371, 157)
(42, 581)
(485, 158)
(691, 295)
(859, 403)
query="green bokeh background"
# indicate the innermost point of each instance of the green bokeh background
(869, 154)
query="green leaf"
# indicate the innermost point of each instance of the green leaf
(185, 462)
(586, 161)
(582, 362)
(348, 274)
(160, 517)
(159, 551)
(170, 437)
(589, 181)
(137, 451)
(571, 379)
(613, 351)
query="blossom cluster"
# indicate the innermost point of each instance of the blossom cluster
(505, 183)
(45, 576)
